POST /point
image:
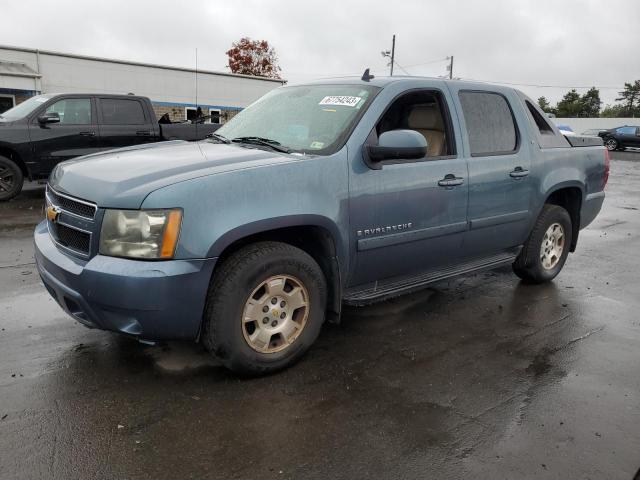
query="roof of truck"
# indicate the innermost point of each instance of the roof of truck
(383, 81)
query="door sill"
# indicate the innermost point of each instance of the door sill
(395, 286)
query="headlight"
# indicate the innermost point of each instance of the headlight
(140, 233)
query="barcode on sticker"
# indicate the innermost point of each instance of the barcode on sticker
(343, 100)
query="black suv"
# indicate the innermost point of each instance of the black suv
(620, 138)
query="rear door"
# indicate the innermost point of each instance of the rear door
(499, 161)
(76, 134)
(628, 136)
(124, 122)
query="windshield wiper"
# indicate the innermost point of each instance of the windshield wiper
(220, 138)
(265, 142)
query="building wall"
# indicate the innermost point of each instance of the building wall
(171, 89)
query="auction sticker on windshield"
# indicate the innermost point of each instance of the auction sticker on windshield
(344, 100)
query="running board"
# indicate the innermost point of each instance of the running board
(393, 287)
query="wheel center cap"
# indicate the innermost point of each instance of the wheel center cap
(275, 312)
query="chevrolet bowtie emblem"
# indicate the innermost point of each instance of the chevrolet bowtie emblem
(52, 213)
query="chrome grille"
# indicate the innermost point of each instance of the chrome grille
(71, 205)
(73, 226)
(73, 239)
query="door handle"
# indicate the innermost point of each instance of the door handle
(143, 133)
(88, 134)
(450, 180)
(518, 172)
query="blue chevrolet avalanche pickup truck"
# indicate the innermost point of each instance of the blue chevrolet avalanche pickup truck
(344, 191)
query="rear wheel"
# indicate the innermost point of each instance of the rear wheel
(547, 248)
(611, 144)
(11, 179)
(265, 308)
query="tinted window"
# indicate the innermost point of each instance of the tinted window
(116, 111)
(6, 103)
(626, 130)
(489, 122)
(72, 111)
(541, 123)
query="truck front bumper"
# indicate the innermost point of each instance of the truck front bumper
(161, 300)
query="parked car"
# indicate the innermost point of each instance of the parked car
(342, 191)
(46, 129)
(566, 129)
(621, 137)
(593, 132)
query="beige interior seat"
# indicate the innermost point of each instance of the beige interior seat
(427, 120)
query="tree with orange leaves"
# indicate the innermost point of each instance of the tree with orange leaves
(253, 57)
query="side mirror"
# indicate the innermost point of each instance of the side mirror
(51, 117)
(397, 145)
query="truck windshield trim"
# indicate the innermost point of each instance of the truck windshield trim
(308, 119)
(25, 108)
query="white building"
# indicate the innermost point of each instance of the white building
(26, 72)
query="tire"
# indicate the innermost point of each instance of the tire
(11, 179)
(611, 144)
(540, 259)
(240, 279)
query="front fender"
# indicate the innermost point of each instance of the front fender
(268, 224)
(222, 208)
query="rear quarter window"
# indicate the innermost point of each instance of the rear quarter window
(490, 124)
(544, 128)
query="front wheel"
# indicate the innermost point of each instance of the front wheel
(265, 307)
(11, 179)
(611, 144)
(546, 250)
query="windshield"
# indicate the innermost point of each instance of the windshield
(25, 108)
(313, 119)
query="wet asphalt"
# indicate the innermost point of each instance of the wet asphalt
(480, 377)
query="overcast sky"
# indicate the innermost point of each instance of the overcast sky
(540, 42)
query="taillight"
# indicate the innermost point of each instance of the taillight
(607, 163)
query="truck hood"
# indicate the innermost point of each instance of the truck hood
(123, 178)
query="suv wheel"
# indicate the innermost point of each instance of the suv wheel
(265, 307)
(611, 144)
(547, 247)
(11, 179)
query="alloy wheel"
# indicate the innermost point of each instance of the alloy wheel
(6, 179)
(275, 314)
(553, 244)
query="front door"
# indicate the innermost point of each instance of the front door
(500, 184)
(409, 215)
(76, 134)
